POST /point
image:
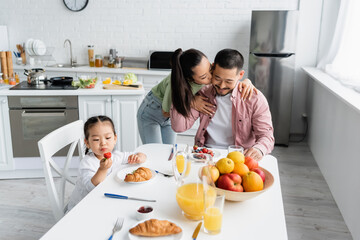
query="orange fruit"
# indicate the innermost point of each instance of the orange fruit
(252, 182)
(236, 156)
(241, 169)
(225, 165)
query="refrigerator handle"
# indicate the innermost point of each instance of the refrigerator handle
(275, 55)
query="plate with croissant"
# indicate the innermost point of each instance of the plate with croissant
(155, 229)
(136, 175)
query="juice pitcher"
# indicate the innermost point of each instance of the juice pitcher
(194, 183)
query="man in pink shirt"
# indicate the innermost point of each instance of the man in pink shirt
(235, 121)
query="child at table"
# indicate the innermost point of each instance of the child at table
(100, 138)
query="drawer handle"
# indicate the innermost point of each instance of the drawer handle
(42, 114)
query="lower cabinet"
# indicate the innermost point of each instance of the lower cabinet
(122, 109)
(6, 156)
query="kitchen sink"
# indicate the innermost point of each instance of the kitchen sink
(61, 65)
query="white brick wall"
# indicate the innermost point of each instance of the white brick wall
(134, 27)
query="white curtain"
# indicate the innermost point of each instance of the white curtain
(343, 58)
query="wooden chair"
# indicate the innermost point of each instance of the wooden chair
(70, 134)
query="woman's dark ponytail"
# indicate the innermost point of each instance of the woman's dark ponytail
(182, 64)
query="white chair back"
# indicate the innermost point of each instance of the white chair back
(70, 134)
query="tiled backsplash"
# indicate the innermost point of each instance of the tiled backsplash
(134, 27)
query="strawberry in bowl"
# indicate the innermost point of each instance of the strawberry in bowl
(197, 149)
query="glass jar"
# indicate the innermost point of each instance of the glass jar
(12, 81)
(98, 61)
(118, 62)
(106, 61)
(91, 55)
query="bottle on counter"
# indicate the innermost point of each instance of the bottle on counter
(91, 55)
(1, 79)
(98, 61)
(6, 79)
(12, 81)
(17, 79)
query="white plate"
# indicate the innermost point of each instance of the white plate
(120, 175)
(169, 237)
(28, 46)
(39, 47)
(216, 152)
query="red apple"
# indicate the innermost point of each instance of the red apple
(260, 172)
(230, 181)
(251, 163)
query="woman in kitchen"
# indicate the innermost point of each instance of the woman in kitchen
(153, 114)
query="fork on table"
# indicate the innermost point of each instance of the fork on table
(118, 225)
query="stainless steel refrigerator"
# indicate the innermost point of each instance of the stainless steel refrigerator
(272, 64)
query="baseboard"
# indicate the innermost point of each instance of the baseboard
(29, 173)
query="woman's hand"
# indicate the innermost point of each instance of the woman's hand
(247, 89)
(137, 158)
(202, 105)
(165, 114)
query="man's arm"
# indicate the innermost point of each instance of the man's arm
(179, 123)
(262, 126)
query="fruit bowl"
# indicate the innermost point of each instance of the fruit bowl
(243, 196)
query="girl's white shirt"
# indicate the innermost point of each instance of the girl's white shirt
(87, 169)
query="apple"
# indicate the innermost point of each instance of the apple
(214, 172)
(260, 172)
(230, 181)
(251, 163)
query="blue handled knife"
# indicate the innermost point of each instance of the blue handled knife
(110, 195)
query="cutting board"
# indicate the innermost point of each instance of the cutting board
(121, 87)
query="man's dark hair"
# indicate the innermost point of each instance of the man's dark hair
(229, 59)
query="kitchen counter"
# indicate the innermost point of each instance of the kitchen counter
(98, 90)
(97, 70)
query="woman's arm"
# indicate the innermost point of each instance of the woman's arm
(201, 104)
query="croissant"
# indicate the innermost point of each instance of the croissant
(139, 175)
(155, 228)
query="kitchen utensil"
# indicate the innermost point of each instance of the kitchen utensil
(122, 87)
(59, 80)
(164, 174)
(110, 195)
(117, 227)
(35, 76)
(190, 170)
(172, 152)
(196, 231)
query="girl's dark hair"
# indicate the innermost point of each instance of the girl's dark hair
(93, 121)
(182, 64)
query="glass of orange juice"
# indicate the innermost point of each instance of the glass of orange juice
(213, 215)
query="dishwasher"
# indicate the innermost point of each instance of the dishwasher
(33, 117)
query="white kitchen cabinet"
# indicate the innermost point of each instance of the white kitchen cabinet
(121, 109)
(6, 155)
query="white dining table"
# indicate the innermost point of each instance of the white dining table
(94, 217)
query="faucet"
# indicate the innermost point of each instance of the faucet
(72, 61)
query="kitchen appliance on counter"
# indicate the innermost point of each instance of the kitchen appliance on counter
(33, 117)
(272, 64)
(35, 76)
(160, 60)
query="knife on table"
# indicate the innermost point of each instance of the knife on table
(172, 151)
(196, 232)
(110, 195)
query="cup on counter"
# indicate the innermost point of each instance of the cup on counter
(213, 214)
(32, 61)
(233, 148)
(19, 61)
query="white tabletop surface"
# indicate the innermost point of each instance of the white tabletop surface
(93, 218)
